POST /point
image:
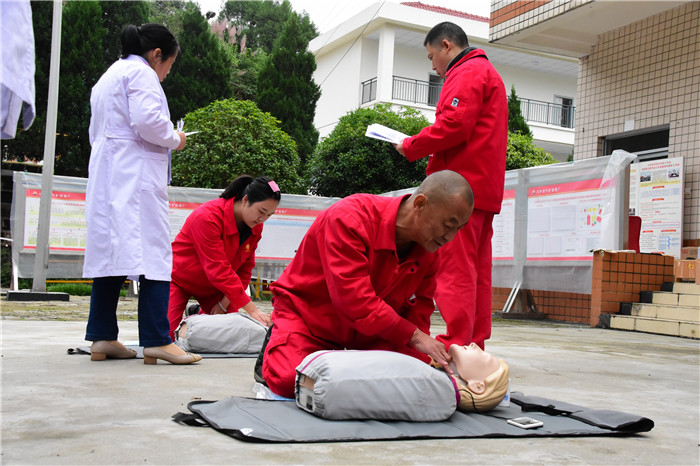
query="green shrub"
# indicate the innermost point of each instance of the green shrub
(76, 289)
(235, 138)
(522, 153)
(348, 162)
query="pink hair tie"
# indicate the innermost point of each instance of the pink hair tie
(273, 186)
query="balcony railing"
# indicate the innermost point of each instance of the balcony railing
(369, 90)
(418, 92)
(405, 89)
(548, 113)
(427, 93)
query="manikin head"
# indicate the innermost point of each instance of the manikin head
(481, 378)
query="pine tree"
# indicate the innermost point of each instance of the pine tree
(286, 88)
(256, 24)
(516, 121)
(82, 64)
(115, 16)
(202, 71)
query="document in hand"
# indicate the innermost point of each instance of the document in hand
(383, 133)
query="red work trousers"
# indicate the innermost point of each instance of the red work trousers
(463, 293)
(290, 342)
(178, 301)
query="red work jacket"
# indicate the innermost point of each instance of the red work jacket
(470, 133)
(345, 284)
(207, 257)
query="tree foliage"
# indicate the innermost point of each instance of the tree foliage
(286, 87)
(522, 153)
(82, 36)
(202, 71)
(516, 120)
(348, 162)
(115, 16)
(255, 24)
(235, 138)
(245, 70)
(168, 13)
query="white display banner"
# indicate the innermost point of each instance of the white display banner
(503, 239)
(282, 233)
(656, 195)
(67, 230)
(288, 224)
(564, 220)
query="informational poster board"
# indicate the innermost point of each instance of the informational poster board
(564, 220)
(67, 231)
(290, 224)
(177, 214)
(656, 195)
(282, 233)
(503, 239)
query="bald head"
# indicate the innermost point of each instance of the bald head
(435, 212)
(443, 185)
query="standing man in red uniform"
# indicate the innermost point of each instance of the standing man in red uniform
(364, 278)
(469, 136)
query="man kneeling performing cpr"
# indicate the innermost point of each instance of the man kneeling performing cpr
(364, 278)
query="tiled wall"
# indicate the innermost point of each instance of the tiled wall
(553, 305)
(648, 72)
(618, 277)
(510, 16)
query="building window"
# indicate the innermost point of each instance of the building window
(434, 88)
(565, 108)
(648, 144)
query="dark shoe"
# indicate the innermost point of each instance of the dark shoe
(192, 309)
(257, 371)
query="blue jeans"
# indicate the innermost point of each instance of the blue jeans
(153, 311)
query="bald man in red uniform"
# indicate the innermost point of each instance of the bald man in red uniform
(364, 278)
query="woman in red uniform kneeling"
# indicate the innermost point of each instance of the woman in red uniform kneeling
(214, 253)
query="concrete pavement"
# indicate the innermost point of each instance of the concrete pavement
(66, 409)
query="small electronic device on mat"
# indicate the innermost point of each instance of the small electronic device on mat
(525, 422)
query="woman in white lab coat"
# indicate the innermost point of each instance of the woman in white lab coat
(126, 210)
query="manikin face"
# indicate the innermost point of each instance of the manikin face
(439, 222)
(255, 214)
(473, 365)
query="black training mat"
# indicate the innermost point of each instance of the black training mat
(258, 420)
(139, 353)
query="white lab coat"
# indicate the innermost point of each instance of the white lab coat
(16, 66)
(127, 198)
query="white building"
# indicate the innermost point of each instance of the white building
(378, 56)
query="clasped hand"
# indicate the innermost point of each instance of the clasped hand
(433, 348)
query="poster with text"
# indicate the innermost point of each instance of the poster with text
(67, 229)
(503, 240)
(283, 233)
(658, 200)
(177, 214)
(564, 220)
